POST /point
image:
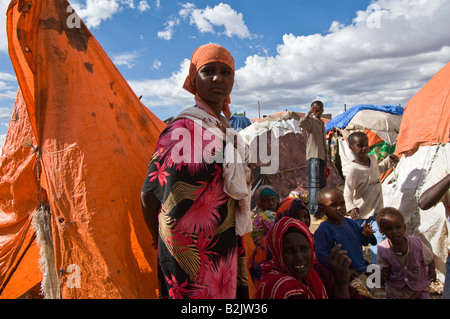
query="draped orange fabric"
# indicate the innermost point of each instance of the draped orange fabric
(18, 200)
(426, 120)
(95, 139)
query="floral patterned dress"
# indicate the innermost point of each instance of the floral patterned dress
(200, 255)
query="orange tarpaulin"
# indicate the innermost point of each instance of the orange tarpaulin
(95, 139)
(18, 200)
(426, 119)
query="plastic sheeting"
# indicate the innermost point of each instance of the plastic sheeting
(426, 120)
(385, 125)
(343, 119)
(95, 139)
(423, 141)
(239, 122)
(19, 254)
(402, 189)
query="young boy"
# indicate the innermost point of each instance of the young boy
(407, 264)
(363, 194)
(316, 152)
(337, 229)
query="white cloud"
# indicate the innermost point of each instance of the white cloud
(222, 15)
(207, 20)
(143, 6)
(93, 12)
(7, 77)
(169, 91)
(157, 64)
(129, 3)
(384, 56)
(3, 38)
(8, 87)
(126, 58)
(168, 33)
(5, 112)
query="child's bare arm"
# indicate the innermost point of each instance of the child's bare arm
(369, 233)
(388, 163)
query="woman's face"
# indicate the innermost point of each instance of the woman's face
(214, 82)
(297, 255)
(269, 202)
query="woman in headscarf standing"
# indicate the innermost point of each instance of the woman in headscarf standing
(196, 200)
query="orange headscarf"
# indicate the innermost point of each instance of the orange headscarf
(203, 55)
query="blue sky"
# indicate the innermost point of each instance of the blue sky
(287, 52)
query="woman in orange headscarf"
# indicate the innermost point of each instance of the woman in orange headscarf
(203, 201)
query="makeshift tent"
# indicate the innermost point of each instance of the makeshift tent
(423, 141)
(381, 123)
(72, 165)
(239, 122)
(280, 147)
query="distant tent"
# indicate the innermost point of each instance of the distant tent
(342, 120)
(283, 115)
(72, 166)
(285, 142)
(239, 122)
(381, 123)
(424, 143)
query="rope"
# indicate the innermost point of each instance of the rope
(41, 222)
(37, 156)
(288, 170)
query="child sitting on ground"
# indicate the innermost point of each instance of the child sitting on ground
(407, 264)
(337, 229)
(363, 193)
(267, 202)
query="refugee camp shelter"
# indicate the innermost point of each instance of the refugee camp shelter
(280, 146)
(239, 122)
(381, 124)
(423, 143)
(72, 166)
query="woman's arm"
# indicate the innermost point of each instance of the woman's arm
(338, 263)
(433, 195)
(150, 209)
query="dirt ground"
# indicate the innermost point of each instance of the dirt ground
(436, 288)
